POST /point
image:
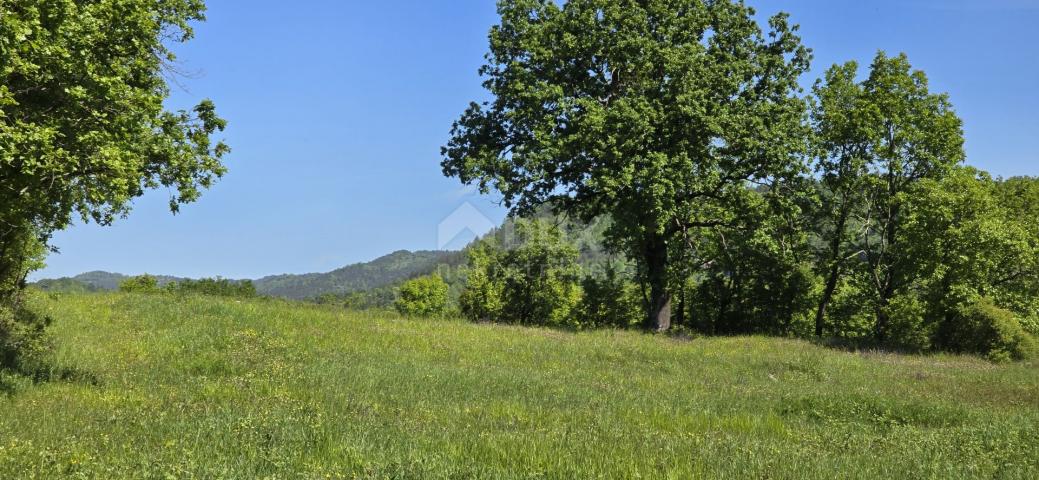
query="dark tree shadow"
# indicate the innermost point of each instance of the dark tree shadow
(13, 380)
(63, 375)
(862, 346)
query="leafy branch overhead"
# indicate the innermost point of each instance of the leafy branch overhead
(83, 128)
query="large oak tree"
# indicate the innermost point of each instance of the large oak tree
(658, 113)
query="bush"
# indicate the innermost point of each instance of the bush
(610, 301)
(376, 298)
(908, 328)
(23, 340)
(140, 284)
(220, 287)
(982, 327)
(423, 297)
(481, 300)
(534, 283)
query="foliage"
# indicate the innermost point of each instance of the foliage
(876, 140)
(381, 298)
(97, 281)
(535, 283)
(911, 327)
(220, 287)
(982, 327)
(759, 277)
(207, 387)
(83, 128)
(1018, 199)
(23, 340)
(960, 246)
(423, 297)
(609, 300)
(140, 284)
(653, 113)
(482, 300)
(21, 252)
(64, 285)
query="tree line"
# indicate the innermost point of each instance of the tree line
(218, 287)
(744, 203)
(739, 202)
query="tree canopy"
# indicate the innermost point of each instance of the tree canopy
(83, 128)
(657, 113)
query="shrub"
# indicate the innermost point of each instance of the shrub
(534, 283)
(423, 297)
(610, 301)
(481, 300)
(220, 287)
(140, 284)
(23, 340)
(982, 327)
(908, 327)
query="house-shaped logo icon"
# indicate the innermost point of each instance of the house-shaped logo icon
(465, 221)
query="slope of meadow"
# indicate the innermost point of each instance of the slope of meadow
(160, 386)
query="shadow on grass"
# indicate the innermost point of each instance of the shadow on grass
(862, 345)
(63, 375)
(15, 379)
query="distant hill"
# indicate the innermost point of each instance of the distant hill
(379, 277)
(65, 285)
(92, 282)
(589, 238)
(383, 271)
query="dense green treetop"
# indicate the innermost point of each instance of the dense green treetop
(83, 129)
(656, 112)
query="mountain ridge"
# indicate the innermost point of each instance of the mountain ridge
(383, 271)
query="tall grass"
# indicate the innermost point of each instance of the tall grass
(195, 387)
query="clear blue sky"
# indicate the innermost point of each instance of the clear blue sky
(338, 109)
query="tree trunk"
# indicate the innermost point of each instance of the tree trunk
(835, 268)
(661, 315)
(659, 296)
(831, 286)
(680, 318)
(883, 319)
(887, 293)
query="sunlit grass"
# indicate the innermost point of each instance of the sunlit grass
(212, 388)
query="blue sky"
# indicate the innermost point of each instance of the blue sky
(338, 109)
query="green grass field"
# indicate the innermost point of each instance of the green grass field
(167, 387)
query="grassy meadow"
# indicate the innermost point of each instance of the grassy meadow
(160, 386)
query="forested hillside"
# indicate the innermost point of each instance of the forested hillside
(380, 272)
(93, 282)
(383, 271)
(376, 279)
